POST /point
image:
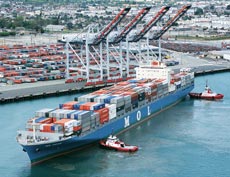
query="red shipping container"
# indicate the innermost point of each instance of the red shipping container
(153, 86)
(104, 118)
(154, 93)
(2, 69)
(103, 111)
(119, 79)
(77, 128)
(134, 95)
(103, 114)
(118, 92)
(99, 82)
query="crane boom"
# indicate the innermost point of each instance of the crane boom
(165, 28)
(150, 24)
(132, 24)
(103, 34)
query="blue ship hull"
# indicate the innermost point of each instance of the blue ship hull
(42, 152)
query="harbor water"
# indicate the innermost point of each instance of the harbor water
(190, 139)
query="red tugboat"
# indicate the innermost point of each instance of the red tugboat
(207, 94)
(112, 142)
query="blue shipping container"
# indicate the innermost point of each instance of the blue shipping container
(39, 119)
(77, 105)
(98, 106)
(108, 99)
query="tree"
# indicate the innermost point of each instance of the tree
(19, 21)
(3, 23)
(70, 25)
(212, 7)
(228, 7)
(199, 11)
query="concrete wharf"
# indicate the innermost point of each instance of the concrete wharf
(11, 93)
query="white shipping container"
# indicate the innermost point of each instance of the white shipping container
(112, 110)
(117, 99)
(42, 112)
(60, 113)
(119, 104)
(56, 113)
(177, 83)
(73, 115)
(41, 126)
(84, 98)
(36, 126)
(172, 88)
(100, 99)
(86, 128)
(70, 123)
(68, 112)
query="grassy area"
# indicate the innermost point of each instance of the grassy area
(3, 34)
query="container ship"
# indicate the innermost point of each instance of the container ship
(94, 116)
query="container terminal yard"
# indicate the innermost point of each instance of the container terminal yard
(90, 60)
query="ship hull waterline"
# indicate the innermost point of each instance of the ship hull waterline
(42, 152)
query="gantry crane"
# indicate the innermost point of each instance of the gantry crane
(94, 42)
(122, 35)
(172, 21)
(119, 37)
(104, 33)
(149, 25)
(88, 40)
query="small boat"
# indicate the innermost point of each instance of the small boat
(113, 143)
(207, 94)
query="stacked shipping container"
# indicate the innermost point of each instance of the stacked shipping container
(95, 109)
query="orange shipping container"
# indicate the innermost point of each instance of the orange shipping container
(47, 127)
(100, 92)
(62, 121)
(17, 81)
(103, 111)
(123, 83)
(87, 106)
(48, 120)
(69, 105)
